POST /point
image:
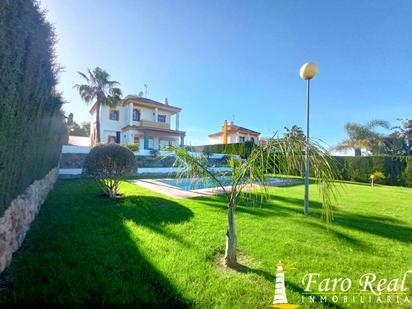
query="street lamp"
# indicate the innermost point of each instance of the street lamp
(307, 72)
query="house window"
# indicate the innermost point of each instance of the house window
(241, 139)
(252, 139)
(114, 115)
(111, 139)
(136, 115)
(151, 143)
(136, 139)
(161, 118)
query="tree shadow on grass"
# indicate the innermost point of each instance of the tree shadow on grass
(155, 213)
(361, 245)
(276, 205)
(379, 226)
(383, 226)
(259, 209)
(79, 251)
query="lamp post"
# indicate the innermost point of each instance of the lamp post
(307, 72)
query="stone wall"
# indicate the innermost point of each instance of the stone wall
(20, 214)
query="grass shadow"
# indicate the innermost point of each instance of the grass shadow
(155, 213)
(79, 251)
(258, 211)
(361, 245)
(383, 226)
(376, 225)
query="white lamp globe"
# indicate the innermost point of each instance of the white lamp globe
(308, 70)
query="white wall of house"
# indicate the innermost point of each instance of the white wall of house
(240, 137)
(215, 140)
(234, 138)
(92, 124)
(109, 127)
(114, 128)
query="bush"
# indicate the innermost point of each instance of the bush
(133, 147)
(108, 165)
(376, 177)
(408, 173)
(360, 168)
(31, 123)
(241, 149)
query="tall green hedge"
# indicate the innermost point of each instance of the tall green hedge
(360, 168)
(242, 149)
(31, 123)
(408, 172)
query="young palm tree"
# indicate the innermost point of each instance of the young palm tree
(294, 131)
(362, 136)
(100, 91)
(250, 173)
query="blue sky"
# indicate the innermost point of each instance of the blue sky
(216, 59)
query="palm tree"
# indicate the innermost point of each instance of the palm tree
(99, 90)
(250, 173)
(294, 131)
(362, 136)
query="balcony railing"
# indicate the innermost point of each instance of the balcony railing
(156, 125)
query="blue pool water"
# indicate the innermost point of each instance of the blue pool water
(189, 184)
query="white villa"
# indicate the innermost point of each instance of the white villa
(232, 133)
(138, 120)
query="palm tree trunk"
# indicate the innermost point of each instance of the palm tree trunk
(98, 122)
(231, 241)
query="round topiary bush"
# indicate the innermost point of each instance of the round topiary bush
(108, 165)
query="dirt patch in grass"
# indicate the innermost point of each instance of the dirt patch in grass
(244, 264)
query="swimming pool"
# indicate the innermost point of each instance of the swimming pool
(189, 184)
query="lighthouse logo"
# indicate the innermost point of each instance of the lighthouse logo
(280, 300)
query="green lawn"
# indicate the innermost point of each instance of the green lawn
(145, 247)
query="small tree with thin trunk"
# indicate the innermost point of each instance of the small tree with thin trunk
(249, 174)
(376, 177)
(108, 165)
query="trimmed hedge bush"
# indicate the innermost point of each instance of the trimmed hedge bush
(31, 124)
(397, 169)
(108, 164)
(360, 168)
(408, 172)
(241, 149)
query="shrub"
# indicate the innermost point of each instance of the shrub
(408, 173)
(154, 152)
(242, 149)
(31, 123)
(376, 177)
(133, 147)
(108, 165)
(360, 168)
